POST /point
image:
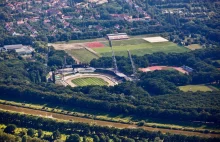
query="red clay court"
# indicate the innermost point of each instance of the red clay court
(94, 44)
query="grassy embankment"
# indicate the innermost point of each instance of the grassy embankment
(92, 114)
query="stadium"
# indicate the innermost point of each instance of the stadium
(84, 77)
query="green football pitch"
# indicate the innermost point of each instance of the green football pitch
(195, 88)
(85, 81)
(139, 47)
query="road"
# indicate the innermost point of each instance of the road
(98, 122)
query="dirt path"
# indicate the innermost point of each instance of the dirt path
(97, 122)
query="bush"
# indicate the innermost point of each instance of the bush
(10, 129)
(141, 123)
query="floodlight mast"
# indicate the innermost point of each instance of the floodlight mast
(133, 66)
(113, 58)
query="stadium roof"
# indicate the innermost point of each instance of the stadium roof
(120, 74)
(117, 36)
(11, 47)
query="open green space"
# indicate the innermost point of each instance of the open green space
(195, 88)
(85, 81)
(132, 41)
(141, 49)
(83, 55)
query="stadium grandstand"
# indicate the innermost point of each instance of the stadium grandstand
(117, 36)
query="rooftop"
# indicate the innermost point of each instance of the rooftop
(15, 46)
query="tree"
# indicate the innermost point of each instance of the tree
(141, 123)
(24, 138)
(73, 138)
(84, 139)
(10, 129)
(56, 135)
(40, 133)
(96, 138)
(30, 132)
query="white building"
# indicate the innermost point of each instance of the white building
(19, 48)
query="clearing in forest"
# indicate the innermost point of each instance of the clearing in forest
(85, 81)
(195, 88)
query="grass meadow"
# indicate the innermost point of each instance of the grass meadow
(83, 55)
(140, 48)
(195, 88)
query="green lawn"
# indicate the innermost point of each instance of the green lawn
(141, 49)
(83, 55)
(85, 81)
(195, 88)
(132, 41)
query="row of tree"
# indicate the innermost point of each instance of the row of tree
(83, 129)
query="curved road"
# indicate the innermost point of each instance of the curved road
(98, 122)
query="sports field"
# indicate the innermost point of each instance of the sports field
(140, 48)
(85, 81)
(84, 52)
(194, 46)
(195, 88)
(83, 55)
(153, 68)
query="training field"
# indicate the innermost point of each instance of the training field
(194, 46)
(140, 48)
(84, 52)
(83, 55)
(195, 88)
(155, 39)
(153, 68)
(94, 44)
(85, 81)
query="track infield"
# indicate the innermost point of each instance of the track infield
(89, 79)
(86, 81)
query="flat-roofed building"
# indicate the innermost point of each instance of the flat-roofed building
(85, 70)
(25, 50)
(13, 47)
(19, 48)
(188, 69)
(117, 36)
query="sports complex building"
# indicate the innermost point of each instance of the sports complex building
(118, 36)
